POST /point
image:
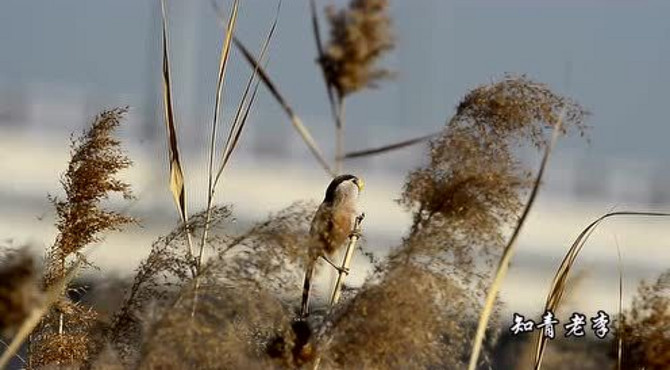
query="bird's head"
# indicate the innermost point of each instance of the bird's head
(343, 188)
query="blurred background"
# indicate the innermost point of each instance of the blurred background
(62, 62)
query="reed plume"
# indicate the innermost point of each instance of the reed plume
(644, 328)
(64, 335)
(360, 35)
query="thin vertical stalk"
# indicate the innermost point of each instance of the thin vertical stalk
(61, 275)
(508, 253)
(177, 187)
(559, 282)
(339, 136)
(621, 331)
(320, 57)
(223, 63)
(16, 355)
(346, 261)
(235, 132)
(60, 323)
(30, 351)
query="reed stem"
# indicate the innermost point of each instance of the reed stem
(339, 136)
(346, 261)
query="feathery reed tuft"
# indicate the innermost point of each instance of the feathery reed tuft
(19, 291)
(256, 267)
(359, 37)
(89, 179)
(228, 330)
(644, 328)
(64, 335)
(517, 107)
(470, 190)
(407, 318)
(471, 187)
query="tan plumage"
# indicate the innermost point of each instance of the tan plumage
(331, 226)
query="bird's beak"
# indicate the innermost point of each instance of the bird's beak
(360, 183)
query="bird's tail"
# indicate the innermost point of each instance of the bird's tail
(307, 285)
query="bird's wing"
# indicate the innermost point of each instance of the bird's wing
(321, 229)
(307, 285)
(322, 223)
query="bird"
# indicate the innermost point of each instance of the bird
(331, 227)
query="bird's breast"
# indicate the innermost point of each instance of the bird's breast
(343, 220)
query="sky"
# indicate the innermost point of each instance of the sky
(62, 61)
(609, 55)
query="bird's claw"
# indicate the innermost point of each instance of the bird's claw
(342, 270)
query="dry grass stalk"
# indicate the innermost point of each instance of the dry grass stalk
(223, 63)
(211, 180)
(234, 134)
(296, 121)
(337, 108)
(272, 87)
(316, 30)
(559, 283)
(339, 136)
(176, 183)
(388, 147)
(346, 261)
(245, 104)
(236, 128)
(359, 36)
(620, 307)
(508, 253)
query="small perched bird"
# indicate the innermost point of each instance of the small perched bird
(331, 226)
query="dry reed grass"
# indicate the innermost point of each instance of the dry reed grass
(560, 281)
(420, 301)
(644, 329)
(474, 180)
(64, 335)
(233, 304)
(20, 293)
(410, 318)
(359, 36)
